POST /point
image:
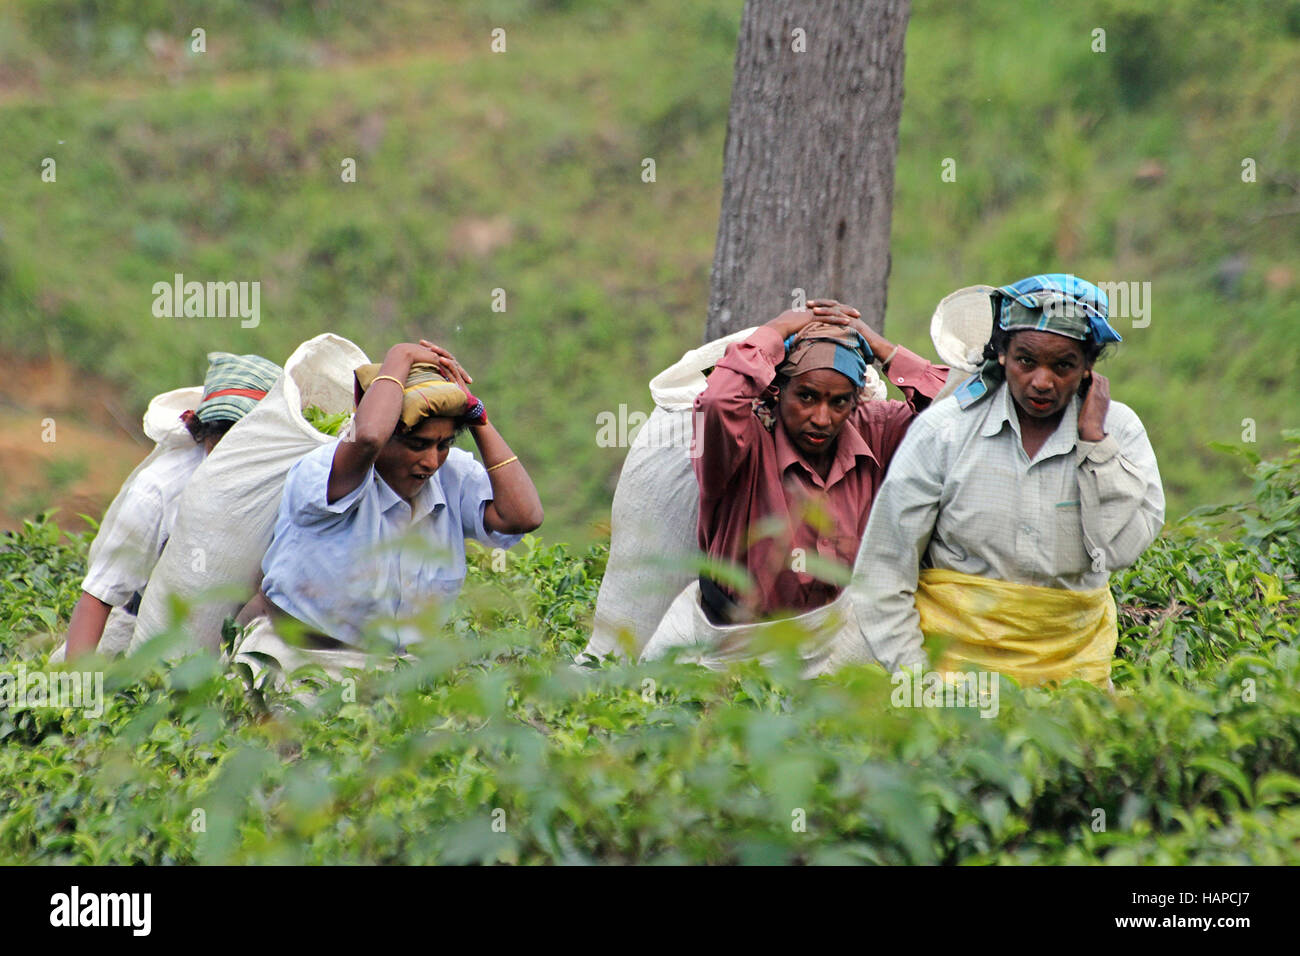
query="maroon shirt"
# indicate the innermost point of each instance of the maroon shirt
(751, 478)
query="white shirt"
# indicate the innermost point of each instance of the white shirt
(137, 525)
(370, 556)
(962, 495)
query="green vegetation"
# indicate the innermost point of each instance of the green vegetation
(1195, 759)
(521, 171)
(324, 422)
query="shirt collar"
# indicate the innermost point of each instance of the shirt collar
(849, 447)
(429, 499)
(1002, 410)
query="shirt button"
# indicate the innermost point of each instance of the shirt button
(1027, 529)
(900, 380)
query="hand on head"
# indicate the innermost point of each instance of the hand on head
(1092, 416)
(829, 310)
(792, 321)
(446, 362)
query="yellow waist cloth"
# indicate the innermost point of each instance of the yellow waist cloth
(1030, 633)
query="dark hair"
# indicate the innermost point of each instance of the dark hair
(202, 431)
(458, 424)
(1001, 341)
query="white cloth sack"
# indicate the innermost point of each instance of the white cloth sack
(655, 510)
(833, 636)
(229, 507)
(162, 423)
(652, 546)
(272, 659)
(962, 323)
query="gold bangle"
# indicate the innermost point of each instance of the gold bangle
(391, 378)
(502, 464)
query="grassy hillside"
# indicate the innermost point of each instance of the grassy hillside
(521, 171)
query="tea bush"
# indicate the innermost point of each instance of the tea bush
(494, 747)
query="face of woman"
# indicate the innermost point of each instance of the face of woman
(409, 460)
(1044, 371)
(813, 407)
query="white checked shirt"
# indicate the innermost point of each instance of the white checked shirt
(962, 495)
(137, 525)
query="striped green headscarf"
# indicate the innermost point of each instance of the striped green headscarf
(234, 385)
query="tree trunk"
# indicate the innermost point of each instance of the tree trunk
(808, 178)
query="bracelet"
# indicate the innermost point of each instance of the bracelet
(391, 378)
(502, 464)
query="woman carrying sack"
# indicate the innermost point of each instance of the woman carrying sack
(139, 521)
(1007, 507)
(792, 452)
(372, 526)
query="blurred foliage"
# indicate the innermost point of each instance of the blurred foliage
(493, 748)
(521, 171)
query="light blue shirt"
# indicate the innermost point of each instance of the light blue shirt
(371, 557)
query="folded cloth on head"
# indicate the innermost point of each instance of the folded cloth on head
(426, 393)
(824, 345)
(1055, 302)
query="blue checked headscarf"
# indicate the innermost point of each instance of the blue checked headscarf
(1056, 302)
(826, 345)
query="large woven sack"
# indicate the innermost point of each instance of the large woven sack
(656, 507)
(653, 553)
(229, 507)
(162, 424)
(831, 637)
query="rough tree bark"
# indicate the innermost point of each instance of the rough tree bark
(808, 176)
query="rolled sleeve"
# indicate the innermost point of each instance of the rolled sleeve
(919, 381)
(475, 491)
(898, 532)
(1098, 452)
(125, 552)
(1121, 498)
(726, 429)
(757, 356)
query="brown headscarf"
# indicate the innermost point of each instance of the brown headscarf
(823, 345)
